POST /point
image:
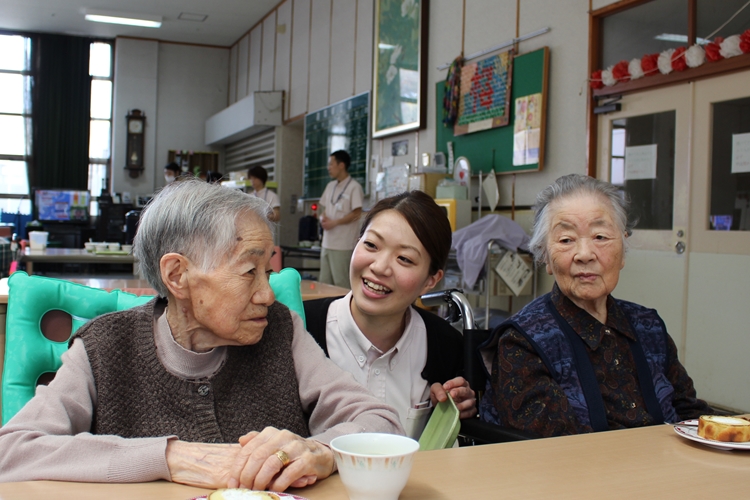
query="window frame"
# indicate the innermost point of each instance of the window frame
(107, 162)
(596, 17)
(26, 114)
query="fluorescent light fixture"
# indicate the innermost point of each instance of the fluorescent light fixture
(671, 37)
(127, 18)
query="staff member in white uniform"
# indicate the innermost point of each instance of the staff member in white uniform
(342, 207)
(258, 176)
(407, 357)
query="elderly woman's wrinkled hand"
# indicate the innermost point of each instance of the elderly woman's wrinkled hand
(278, 459)
(201, 464)
(462, 395)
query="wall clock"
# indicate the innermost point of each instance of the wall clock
(136, 121)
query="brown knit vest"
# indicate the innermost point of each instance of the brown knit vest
(137, 397)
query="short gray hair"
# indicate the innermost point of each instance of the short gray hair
(193, 218)
(572, 185)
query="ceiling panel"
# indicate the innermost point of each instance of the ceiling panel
(227, 20)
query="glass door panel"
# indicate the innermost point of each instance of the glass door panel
(730, 166)
(720, 208)
(639, 152)
(642, 161)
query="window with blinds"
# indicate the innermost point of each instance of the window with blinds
(259, 149)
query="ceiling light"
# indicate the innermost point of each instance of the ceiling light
(127, 18)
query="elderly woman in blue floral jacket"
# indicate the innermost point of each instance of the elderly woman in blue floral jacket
(578, 360)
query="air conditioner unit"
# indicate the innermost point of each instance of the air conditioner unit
(255, 113)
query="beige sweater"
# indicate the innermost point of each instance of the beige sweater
(50, 437)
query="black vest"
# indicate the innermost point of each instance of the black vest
(445, 345)
(138, 397)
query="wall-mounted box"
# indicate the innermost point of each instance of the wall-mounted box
(457, 211)
(456, 192)
(425, 182)
(257, 112)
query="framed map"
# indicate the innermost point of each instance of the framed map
(484, 95)
(399, 84)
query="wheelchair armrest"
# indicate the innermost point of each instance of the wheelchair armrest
(486, 433)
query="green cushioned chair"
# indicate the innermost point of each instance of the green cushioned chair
(43, 313)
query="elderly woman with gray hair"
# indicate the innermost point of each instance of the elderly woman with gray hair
(212, 384)
(578, 360)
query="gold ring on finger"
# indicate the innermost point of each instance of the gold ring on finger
(283, 458)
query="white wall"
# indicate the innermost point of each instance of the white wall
(136, 87)
(178, 87)
(190, 90)
(317, 51)
(331, 59)
(717, 322)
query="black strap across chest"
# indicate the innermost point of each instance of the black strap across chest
(590, 386)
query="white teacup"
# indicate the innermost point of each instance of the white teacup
(374, 466)
(101, 247)
(127, 248)
(90, 246)
(114, 247)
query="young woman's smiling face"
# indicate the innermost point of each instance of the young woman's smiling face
(390, 267)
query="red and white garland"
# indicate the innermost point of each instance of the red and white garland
(672, 60)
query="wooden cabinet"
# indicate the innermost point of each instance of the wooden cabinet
(195, 162)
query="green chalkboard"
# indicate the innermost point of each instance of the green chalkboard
(493, 148)
(344, 125)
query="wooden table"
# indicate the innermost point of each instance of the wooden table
(74, 256)
(651, 462)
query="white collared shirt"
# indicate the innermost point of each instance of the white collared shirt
(338, 200)
(394, 377)
(268, 196)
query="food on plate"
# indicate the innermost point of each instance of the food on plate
(242, 494)
(727, 429)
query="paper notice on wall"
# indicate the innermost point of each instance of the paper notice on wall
(519, 148)
(527, 130)
(640, 162)
(514, 271)
(740, 153)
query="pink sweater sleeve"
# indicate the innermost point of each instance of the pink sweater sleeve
(340, 405)
(50, 437)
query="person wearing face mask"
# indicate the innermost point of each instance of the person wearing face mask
(407, 357)
(171, 172)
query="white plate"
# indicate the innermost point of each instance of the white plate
(283, 496)
(689, 430)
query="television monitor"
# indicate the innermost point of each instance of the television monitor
(61, 205)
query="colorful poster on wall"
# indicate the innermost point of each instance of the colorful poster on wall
(484, 95)
(527, 129)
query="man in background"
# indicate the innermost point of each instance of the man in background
(258, 176)
(342, 207)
